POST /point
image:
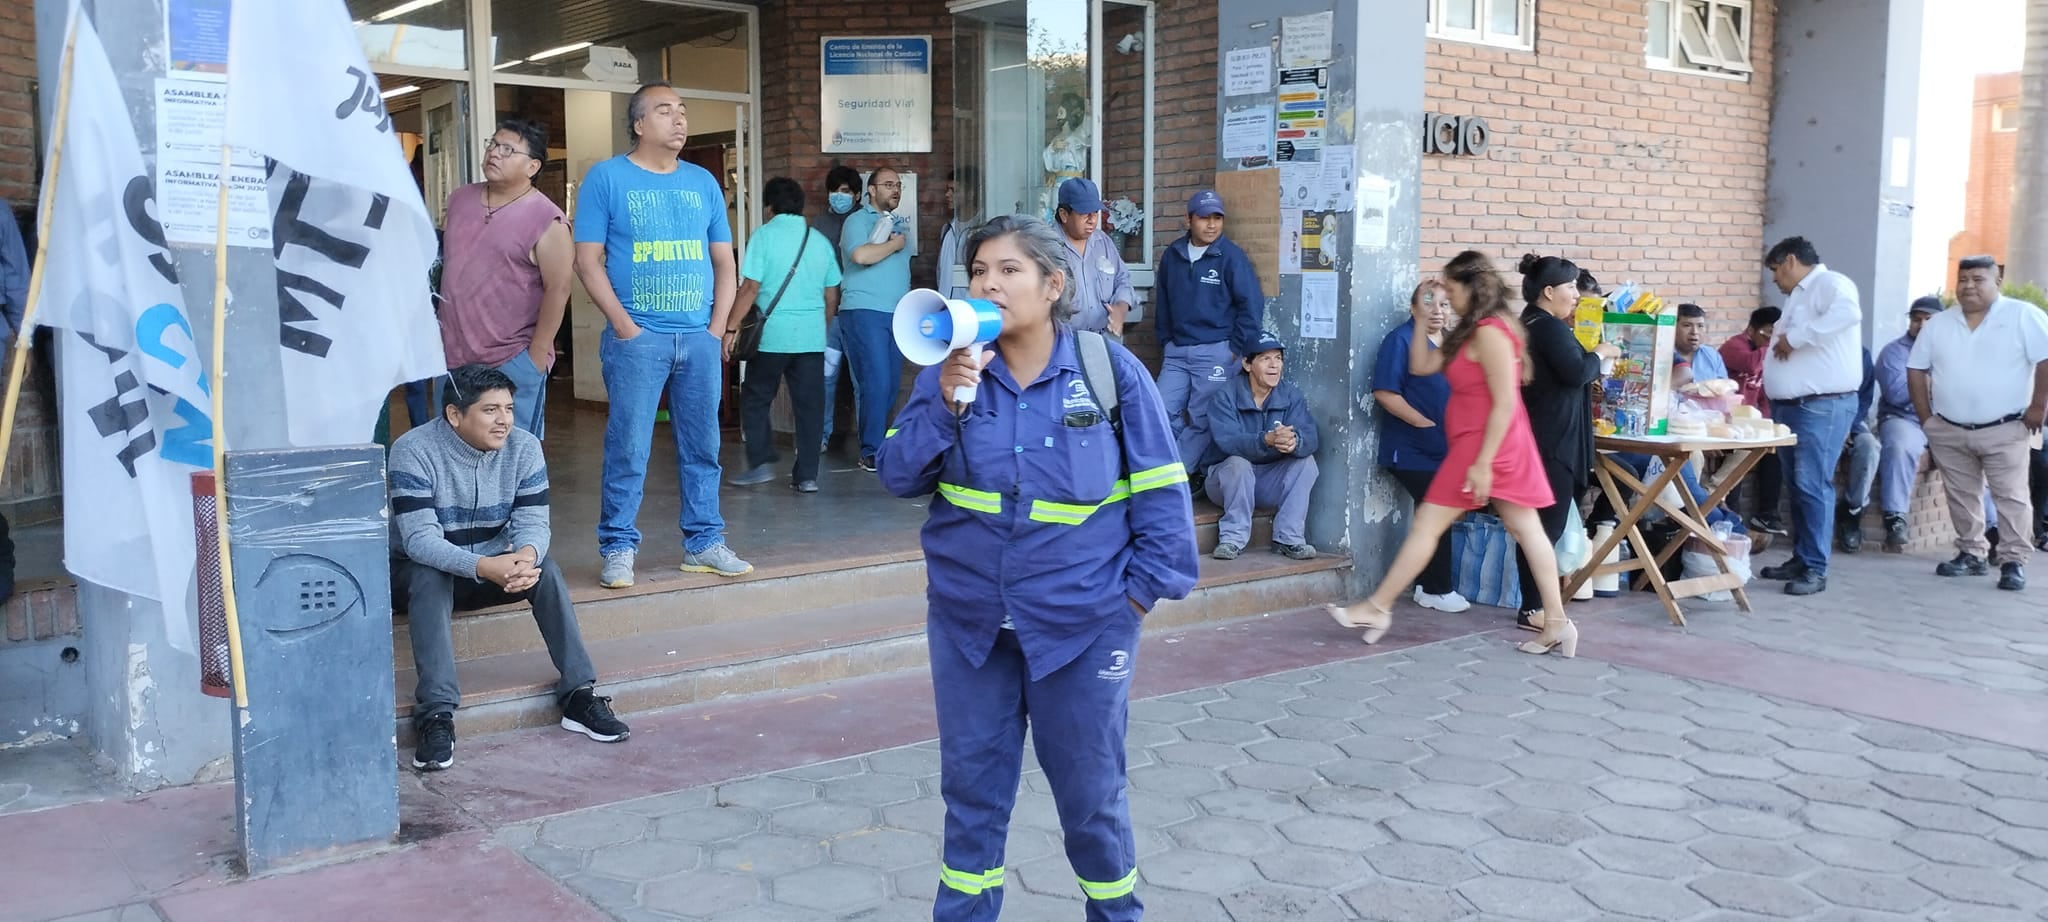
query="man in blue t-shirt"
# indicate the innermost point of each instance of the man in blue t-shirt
(877, 275)
(654, 250)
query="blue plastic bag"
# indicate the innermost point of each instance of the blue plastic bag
(1483, 562)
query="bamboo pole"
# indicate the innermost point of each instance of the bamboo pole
(19, 366)
(217, 375)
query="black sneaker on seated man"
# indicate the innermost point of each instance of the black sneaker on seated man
(469, 529)
(1895, 534)
(1808, 583)
(1768, 524)
(1789, 570)
(1294, 551)
(2012, 577)
(1964, 564)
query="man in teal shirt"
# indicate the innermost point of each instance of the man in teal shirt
(654, 250)
(877, 276)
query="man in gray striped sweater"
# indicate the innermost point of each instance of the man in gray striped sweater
(469, 529)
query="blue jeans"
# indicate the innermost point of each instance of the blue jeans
(418, 402)
(529, 394)
(689, 366)
(835, 357)
(1863, 459)
(1822, 425)
(877, 372)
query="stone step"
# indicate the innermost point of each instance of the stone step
(681, 665)
(695, 600)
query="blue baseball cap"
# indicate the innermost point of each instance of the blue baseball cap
(1205, 203)
(1268, 342)
(1079, 196)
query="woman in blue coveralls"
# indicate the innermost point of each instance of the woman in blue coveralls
(1049, 540)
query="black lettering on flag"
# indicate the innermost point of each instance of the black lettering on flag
(116, 416)
(365, 98)
(291, 310)
(135, 200)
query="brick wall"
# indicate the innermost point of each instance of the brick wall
(1987, 203)
(40, 613)
(1631, 172)
(17, 119)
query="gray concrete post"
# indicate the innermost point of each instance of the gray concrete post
(1844, 113)
(1375, 100)
(314, 769)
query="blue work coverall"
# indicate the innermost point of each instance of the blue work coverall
(1042, 536)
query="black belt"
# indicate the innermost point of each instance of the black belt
(2013, 418)
(1801, 401)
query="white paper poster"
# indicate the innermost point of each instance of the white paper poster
(1247, 71)
(190, 116)
(1299, 183)
(1290, 241)
(1248, 133)
(1304, 112)
(1306, 39)
(1375, 201)
(875, 94)
(1319, 305)
(1334, 188)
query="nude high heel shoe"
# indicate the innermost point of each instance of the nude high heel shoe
(1566, 643)
(1376, 624)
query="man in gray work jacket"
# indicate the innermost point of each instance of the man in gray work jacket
(469, 529)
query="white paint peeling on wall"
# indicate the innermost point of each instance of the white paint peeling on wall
(141, 709)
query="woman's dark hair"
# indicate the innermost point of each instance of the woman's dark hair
(1487, 297)
(1588, 285)
(1045, 247)
(842, 175)
(465, 385)
(1540, 272)
(783, 195)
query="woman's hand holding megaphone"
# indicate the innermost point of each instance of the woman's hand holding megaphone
(962, 368)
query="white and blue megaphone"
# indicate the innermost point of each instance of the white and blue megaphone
(929, 326)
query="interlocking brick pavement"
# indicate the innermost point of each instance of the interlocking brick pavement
(1460, 780)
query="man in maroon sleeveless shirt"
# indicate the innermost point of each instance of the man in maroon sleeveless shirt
(506, 270)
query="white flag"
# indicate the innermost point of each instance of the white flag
(135, 403)
(352, 238)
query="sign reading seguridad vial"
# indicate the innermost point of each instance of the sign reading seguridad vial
(875, 93)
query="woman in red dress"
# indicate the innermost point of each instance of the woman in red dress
(1492, 456)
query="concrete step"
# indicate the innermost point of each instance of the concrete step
(696, 600)
(681, 665)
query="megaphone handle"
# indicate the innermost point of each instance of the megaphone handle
(964, 394)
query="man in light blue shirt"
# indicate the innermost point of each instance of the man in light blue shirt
(1701, 361)
(654, 251)
(1101, 284)
(877, 276)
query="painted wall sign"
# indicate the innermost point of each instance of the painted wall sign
(875, 94)
(1456, 136)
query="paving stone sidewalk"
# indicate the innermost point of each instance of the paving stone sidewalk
(1452, 781)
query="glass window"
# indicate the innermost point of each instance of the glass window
(1507, 23)
(627, 42)
(1707, 36)
(413, 33)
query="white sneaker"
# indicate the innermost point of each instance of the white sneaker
(1450, 602)
(618, 569)
(716, 559)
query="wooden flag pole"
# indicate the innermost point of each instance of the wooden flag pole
(217, 376)
(19, 366)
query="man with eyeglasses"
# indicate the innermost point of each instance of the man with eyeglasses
(877, 275)
(505, 272)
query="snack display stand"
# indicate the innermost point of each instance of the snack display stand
(1691, 518)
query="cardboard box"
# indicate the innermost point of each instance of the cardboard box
(1635, 396)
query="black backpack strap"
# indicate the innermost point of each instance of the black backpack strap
(1100, 375)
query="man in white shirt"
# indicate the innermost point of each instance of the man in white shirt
(1811, 376)
(1979, 376)
(963, 194)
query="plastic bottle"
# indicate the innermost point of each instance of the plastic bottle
(1606, 585)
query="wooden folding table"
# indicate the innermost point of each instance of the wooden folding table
(1690, 516)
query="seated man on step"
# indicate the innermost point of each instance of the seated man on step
(469, 517)
(1261, 445)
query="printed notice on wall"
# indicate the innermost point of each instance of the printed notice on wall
(1375, 207)
(875, 94)
(1321, 241)
(1306, 39)
(1248, 133)
(191, 115)
(1290, 241)
(1248, 71)
(1298, 183)
(1334, 190)
(1319, 305)
(1252, 199)
(1304, 113)
(196, 32)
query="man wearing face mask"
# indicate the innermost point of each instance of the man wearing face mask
(841, 185)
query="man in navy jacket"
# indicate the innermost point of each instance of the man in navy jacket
(1261, 452)
(1209, 313)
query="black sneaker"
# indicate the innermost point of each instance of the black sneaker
(1768, 524)
(867, 463)
(1808, 583)
(436, 749)
(1226, 551)
(1894, 534)
(590, 714)
(1785, 572)
(1294, 551)
(1849, 529)
(1963, 565)
(2012, 577)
